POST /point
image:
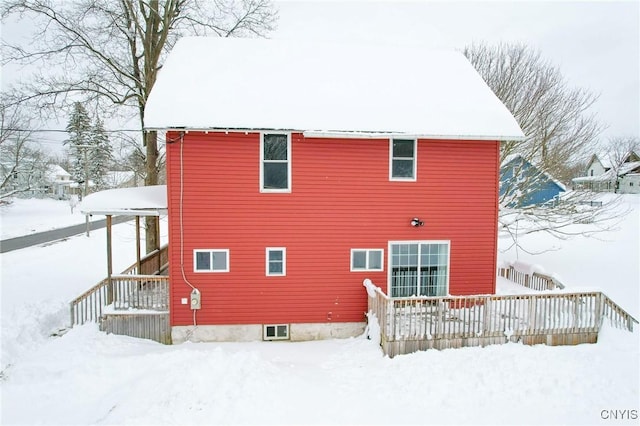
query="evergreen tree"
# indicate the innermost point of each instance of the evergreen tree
(100, 155)
(79, 129)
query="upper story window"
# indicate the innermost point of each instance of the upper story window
(275, 162)
(403, 159)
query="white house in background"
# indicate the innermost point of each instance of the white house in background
(604, 176)
(58, 181)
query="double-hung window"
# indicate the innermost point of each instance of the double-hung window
(419, 268)
(275, 162)
(366, 260)
(276, 263)
(211, 260)
(402, 159)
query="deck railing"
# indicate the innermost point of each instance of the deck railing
(141, 292)
(128, 290)
(534, 281)
(418, 323)
(151, 264)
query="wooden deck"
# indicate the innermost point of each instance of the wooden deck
(134, 303)
(419, 323)
(535, 281)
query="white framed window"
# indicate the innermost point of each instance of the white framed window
(275, 331)
(211, 260)
(276, 261)
(418, 268)
(275, 162)
(403, 159)
(367, 260)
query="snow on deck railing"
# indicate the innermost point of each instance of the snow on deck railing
(529, 275)
(418, 323)
(129, 290)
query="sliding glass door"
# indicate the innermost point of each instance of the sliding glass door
(419, 268)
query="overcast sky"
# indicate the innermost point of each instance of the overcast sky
(594, 44)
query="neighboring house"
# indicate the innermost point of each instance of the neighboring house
(604, 176)
(58, 181)
(27, 178)
(296, 171)
(523, 184)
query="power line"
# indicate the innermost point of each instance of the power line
(64, 130)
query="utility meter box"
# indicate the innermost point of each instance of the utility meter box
(195, 299)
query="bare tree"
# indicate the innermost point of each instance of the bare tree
(559, 131)
(23, 165)
(618, 148)
(131, 157)
(554, 116)
(575, 214)
(620, 151)
(110, 51)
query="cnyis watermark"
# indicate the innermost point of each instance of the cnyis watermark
(617, 414)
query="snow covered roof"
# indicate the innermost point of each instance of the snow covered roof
(138, 201)
(55, 172)
(625, 169)
(602, 159)
(512, 157)
(509, 158)
(325, 90)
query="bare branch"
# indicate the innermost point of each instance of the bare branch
(110, 51)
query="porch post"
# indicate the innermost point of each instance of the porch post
(138, 245)
(159, 265)
(109, 263)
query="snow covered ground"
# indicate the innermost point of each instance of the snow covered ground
(26, 216)
(87, 377)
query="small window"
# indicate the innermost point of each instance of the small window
(276, 262)
(366, 259)
(275, 162)
(275, 331)
(211, 260)
(402, 159)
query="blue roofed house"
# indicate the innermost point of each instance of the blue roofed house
(524, 184)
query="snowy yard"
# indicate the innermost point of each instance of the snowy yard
(87, 377)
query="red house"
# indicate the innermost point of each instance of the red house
(295, 171)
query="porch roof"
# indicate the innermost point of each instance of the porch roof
(138, 201)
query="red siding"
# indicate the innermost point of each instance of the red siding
(341, 199)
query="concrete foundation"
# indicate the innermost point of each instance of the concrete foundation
(253, 332)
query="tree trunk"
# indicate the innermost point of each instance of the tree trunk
(151, 222)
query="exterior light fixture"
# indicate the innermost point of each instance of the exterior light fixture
(416, 222)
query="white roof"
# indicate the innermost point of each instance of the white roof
(324, 90)
(140, 201)
(55, 171)
(602, 159)
(623, 170)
